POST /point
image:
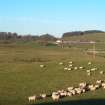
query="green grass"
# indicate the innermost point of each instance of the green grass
(21, 76)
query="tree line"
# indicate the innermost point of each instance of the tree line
(14, 37)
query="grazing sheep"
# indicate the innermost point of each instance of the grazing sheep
(73, 91)
(42, 66)
(97, 86)
(83, 90)
(98, 81)
(92, 87)
(89, 74)
(70, 62)
(78, 90)
(103, 87)
(69, 94)
(43, 96)
(75, 68)
(65, 68)
(88, 71)
(101, 72)
(32, 98)
(89, 63)
(60, 63)
(83, 85)
(70, 65)
(70, 88)
(63, 94)
(81, 67)
(69, 69)
(55, 96)
(94, 69)
(103, 84)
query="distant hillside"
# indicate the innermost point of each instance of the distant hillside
(47, 37)
(98, 37)
(80, 33)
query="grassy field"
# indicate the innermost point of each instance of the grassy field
(21, 75)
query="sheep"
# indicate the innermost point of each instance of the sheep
(69, 94)
(42, 66)
(78, 90)
(70, 62)
(94, 69)
(97, 86)
(60, 63)
(70, 65)
(83, 90)
(98, 81)
(101, 72)
(65, 68)
(81, 67)
(89, 63)
(89, 74)
(70, 88)
(92, 87)
(103, 84)
(43, 96)
(103, 87)
(73, 91)
(69, 69)
(83, 85)
(75, 68)
(32, 98)
(55, 96)
(63, 94)
(88, 71)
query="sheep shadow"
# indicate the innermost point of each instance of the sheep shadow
(77, 102)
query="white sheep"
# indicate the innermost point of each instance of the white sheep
(42, 66)
(69, 94)
(43, 96)
(65, 68)
(63, 94)
(70, 62)
(89, 63)
(32, 98)
(103, 87)
(73, 92)
(78, 90)
(60, 63)
(101, 72)
(103, 84)
(70, 65)
(69, 69)
(55, 96)
(94, 69)
(82, 85)
(97, 86)
(99, 81)
(81, 67)
(88, 71)
(75, 68)
(70, 88)
(92, 87)
(89, 74)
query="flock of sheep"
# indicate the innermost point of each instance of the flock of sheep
(71, 91)
(82, 87)
(71, 67)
